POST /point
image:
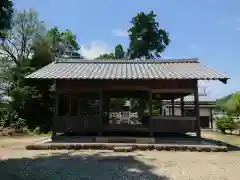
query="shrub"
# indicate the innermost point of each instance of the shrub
(226, 123)
(36, 131)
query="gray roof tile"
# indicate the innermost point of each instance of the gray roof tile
(127, 69)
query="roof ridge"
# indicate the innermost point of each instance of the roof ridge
(64, 60)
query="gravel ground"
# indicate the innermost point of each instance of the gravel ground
(106, 165)
(20, 164)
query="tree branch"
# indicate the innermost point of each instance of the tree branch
(7, 50)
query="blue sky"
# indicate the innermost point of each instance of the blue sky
(208, 29)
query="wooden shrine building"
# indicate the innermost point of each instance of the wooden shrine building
(84, 89)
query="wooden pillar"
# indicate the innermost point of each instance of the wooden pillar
(173, 108)
(54, 133)
(196, 102)
(141, 108)
(107, 105)
(182, 105)
(211, 118)
(161, 108)
(100, 112)
(150, 112)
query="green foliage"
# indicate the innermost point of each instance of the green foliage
(26, 49)
(119, 52)
(62, 43)
(223, 100)
(106, 56)
(230, 104)
(147, 39)
(26, 28)
(226, 123)
(117, 104)
(6, 12)
(233, 104)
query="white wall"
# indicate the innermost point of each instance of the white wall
(202, 111)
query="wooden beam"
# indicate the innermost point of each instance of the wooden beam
(128, 88)
(150, 112)
(182, 105)
(69, 105)
(54, 133)
(100, 111)
(177, 91)
(76, 90)
(211, 118)
(173, 108)
(196, 102)
(161, 107)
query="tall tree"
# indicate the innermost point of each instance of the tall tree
(27, 48)
(147, 39)
(119, 52)
(17, 46)
(63, 43)
(16, 53)
(6, 11)
(26, 28)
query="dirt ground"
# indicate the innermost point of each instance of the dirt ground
(230, 139)
(18, 163)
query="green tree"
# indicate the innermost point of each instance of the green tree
(6, 11)
(232, 106)
(27, 48)
(106, 56)
(16, 51)
(119, 52)
(147, 39)
(26, 28)
(63, 43)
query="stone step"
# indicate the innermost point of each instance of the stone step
(123, 148)
(127, 147)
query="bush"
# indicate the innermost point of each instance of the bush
(155, 112)
(226, 123)
(36, 131)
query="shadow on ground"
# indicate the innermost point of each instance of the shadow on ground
(78, 166)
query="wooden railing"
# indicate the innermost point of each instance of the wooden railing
(77, 124)
(95, 124)
(173, 124)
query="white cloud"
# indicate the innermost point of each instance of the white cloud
(120, 33)
(94, 49)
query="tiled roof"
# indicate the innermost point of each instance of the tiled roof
(127, 69)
